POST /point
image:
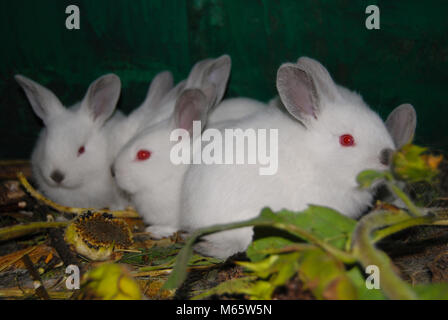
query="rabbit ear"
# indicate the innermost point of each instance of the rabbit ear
(211, 72)
(190, 106)
(160, 86)
(401, 124)
(44, 103)
(194, 79)
(217, 74)
(303, 86)
(102, 97)
(151, 109)
(297, 92)
(325, 86)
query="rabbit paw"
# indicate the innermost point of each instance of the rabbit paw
(159, 232)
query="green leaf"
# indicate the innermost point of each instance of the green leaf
(323, 223)
(286, 268)
(156, 255)
(179, 273)
(263, 268)
(366, 178)
(433, 291)
(260, 248)
(265, 276)
(260, 290)
(319, 225)
(325, 276)
(282, 267)
(244, 285)
(322, 273)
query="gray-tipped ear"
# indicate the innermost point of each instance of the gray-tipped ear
(297, 92)
(102, 97)
(195, 77)
(218, 73)
(303, 88)
(211, 72)
(154, 107)
(401, 124)
(325, 86)
(190, 106)
(159, 88)
(44, 103)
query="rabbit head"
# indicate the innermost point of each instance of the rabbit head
(145, 162)
(72, 148)
(341, 129)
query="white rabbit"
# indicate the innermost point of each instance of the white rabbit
(328, 137)
(143, 168)
(71, 159)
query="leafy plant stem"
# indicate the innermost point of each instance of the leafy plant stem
(179, 273)
(413, 209)
(432, 218)
(364, 249)
(344, 256)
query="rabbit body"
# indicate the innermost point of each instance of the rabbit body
(154, 182)
(313, 165)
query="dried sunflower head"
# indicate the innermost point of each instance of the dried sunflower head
(95, 235)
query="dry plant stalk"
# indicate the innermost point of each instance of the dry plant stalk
(13, 261)
(35, 194)
(21, 293)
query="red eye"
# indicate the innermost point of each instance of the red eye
(143, 155)
(81, 150)
(347, 140)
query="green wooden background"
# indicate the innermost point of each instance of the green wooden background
(405, 61)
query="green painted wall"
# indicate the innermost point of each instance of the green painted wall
(405, 61)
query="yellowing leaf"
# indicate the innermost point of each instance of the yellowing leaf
(410, 164)
(110, 281)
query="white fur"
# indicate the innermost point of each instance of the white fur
(154, 185)
(234, 109)
(313, 167)
(157, 106)
(87, 180)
